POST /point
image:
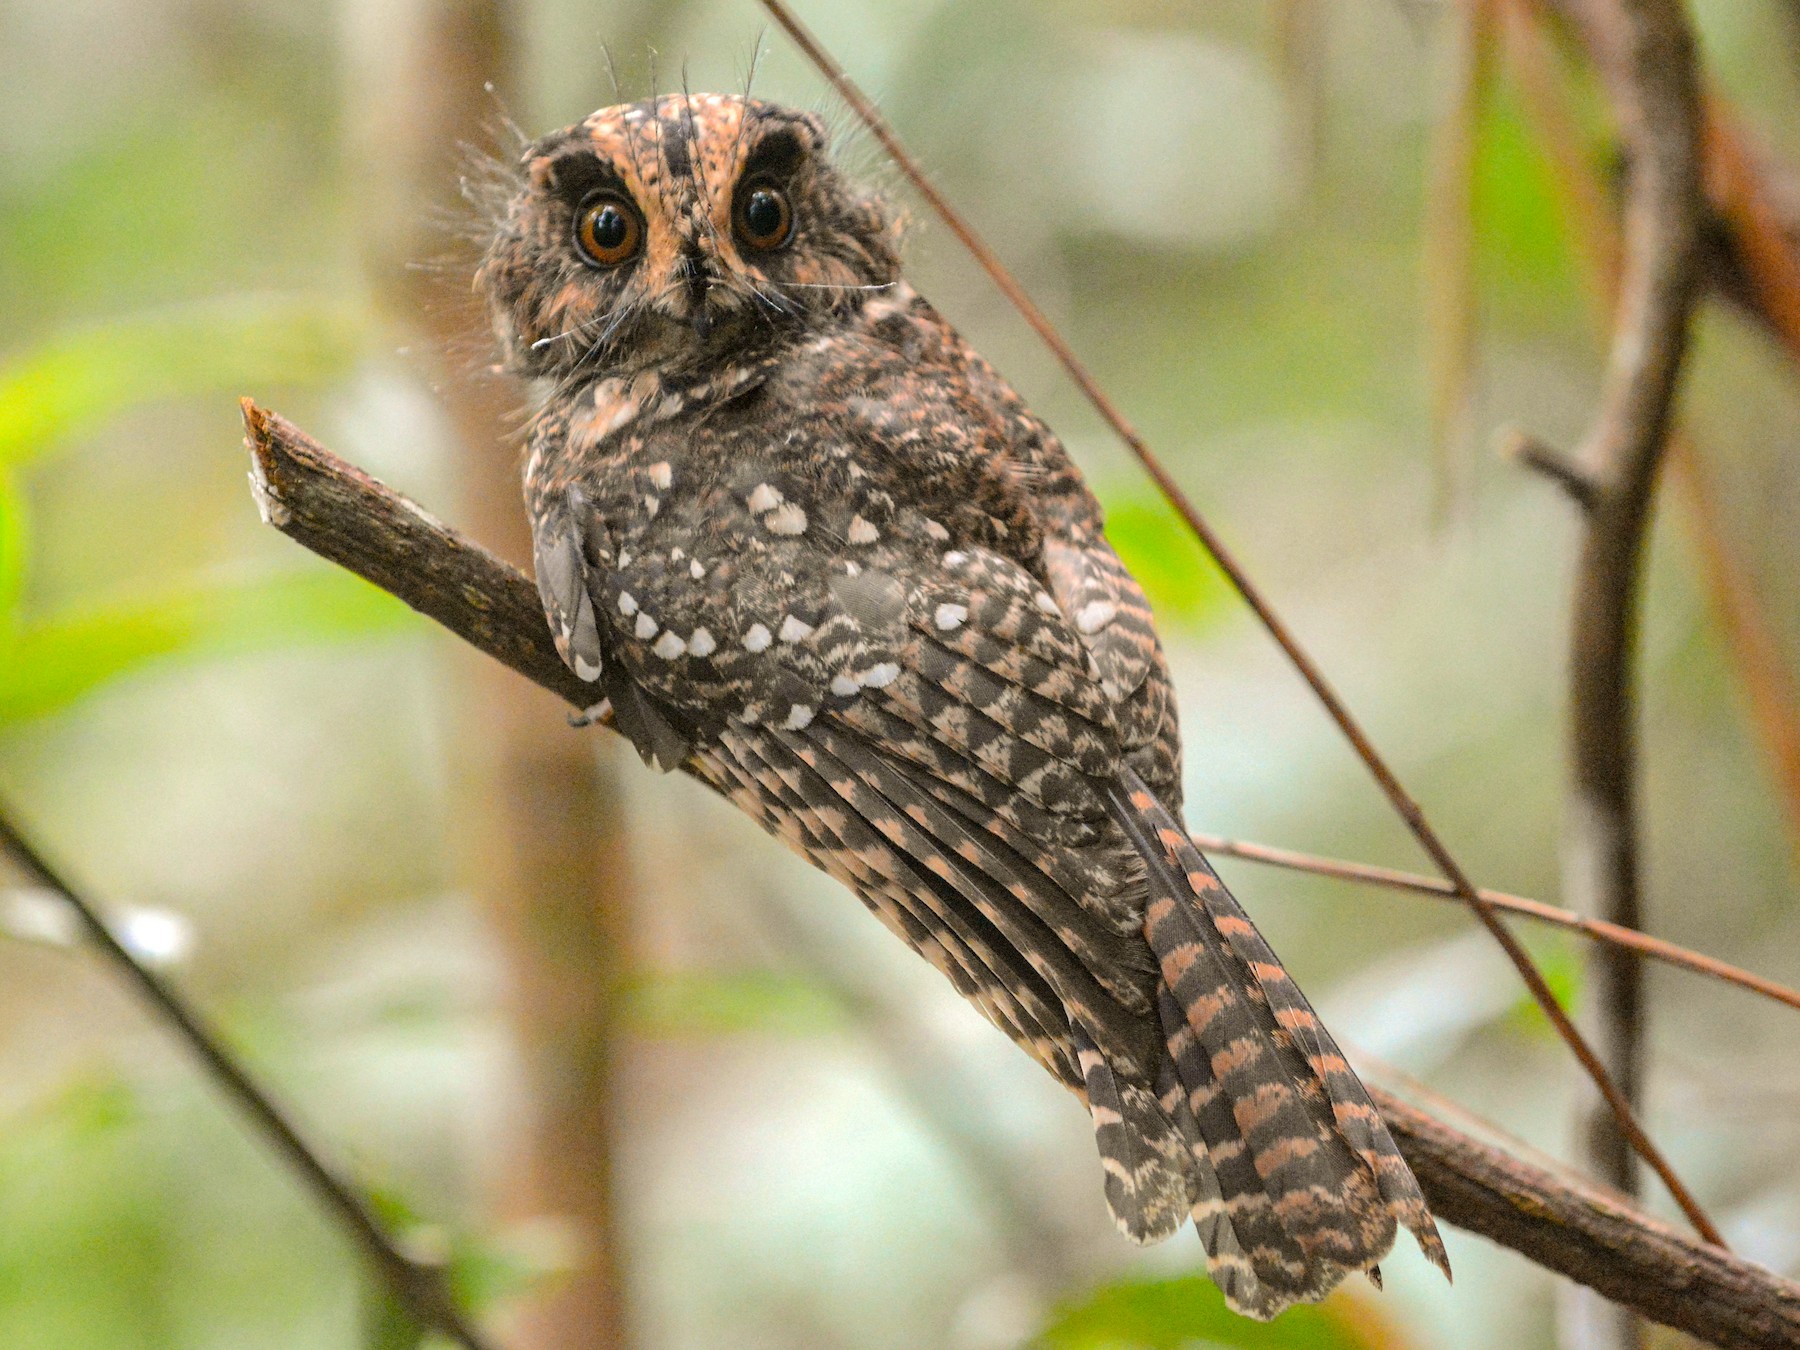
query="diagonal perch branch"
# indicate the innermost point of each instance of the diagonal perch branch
(342, 514)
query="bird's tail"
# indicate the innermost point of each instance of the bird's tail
(1293, 1179)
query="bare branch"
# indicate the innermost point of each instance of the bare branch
(418, 1287)
(1409, 810)
(1750, 632)
(1645, 52)
(1594, 1238)
(344, 515)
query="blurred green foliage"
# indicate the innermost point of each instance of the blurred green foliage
(1232, 242)
(725, 1003)
(73, 385)
(1189, 1313)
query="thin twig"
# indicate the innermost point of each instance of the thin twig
(1408, 809)
(1534, 454)
(344, 515)
(1598, 929)
(418, 1287)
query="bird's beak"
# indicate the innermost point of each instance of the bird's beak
(699, 284)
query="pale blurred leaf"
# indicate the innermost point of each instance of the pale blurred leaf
(486, 1272)
(76, 380)
(47, 664)
(686, 1003)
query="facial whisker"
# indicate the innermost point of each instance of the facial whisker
(832, 285)
(737, 141)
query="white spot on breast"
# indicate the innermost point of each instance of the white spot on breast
(624, 558)
(950, 617)
(1046, 603)
(627, 603)
(677, 554)
(793, 629)
(701, 643)
(955, 558)
(661, 475)
(861, 532)
(785, 519)
(844, 685)
(756, 638)
(669, 646)
(695, 570)
(933, 530)
(585, 671)
(1095, 615)
(646, 627)
(652, 505)
(764, 498)
(879, 676)
(799, 717)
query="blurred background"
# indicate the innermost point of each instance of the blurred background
(640, 1076)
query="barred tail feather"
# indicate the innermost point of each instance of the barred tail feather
(1297, 1182)
(1147, 1172)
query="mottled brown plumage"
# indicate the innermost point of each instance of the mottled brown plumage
(805, 542)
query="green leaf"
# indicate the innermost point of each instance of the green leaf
(47, 664)
(687, 1003)
(1181, 582)
(1521, 214)
(488, 1272)
(1564, 971)
(482, 1272)
(387, 1324)
(1189, 1313)
(12, 551)
(75, 381)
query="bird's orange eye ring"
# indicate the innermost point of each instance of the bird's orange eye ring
(608, 230)
(762, 217)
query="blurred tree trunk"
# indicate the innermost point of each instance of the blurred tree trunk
(546, 851)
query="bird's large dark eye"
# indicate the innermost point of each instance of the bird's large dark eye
(763, 218)
(608, 230)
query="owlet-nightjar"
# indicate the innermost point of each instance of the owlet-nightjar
(810, 547)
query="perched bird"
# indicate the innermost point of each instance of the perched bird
(809, 546)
